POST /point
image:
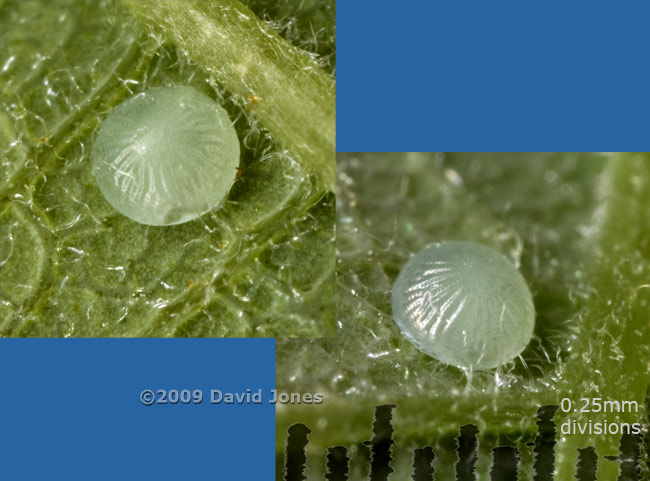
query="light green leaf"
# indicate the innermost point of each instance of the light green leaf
(578, 227)
(286, 89)
(70, 265)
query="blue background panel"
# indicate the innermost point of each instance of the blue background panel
(71, 409)
(495, 76)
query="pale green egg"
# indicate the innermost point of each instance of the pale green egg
(166, 156)
(464, 304)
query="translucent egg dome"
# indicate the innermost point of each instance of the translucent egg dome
(166, 156)
(464, 304)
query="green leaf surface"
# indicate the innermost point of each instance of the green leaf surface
(577, 227)
(287, 90)
(70, 265)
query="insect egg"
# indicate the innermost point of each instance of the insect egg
(464, 304)
(166, 156)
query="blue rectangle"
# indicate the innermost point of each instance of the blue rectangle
(72, 409)
(494, 76)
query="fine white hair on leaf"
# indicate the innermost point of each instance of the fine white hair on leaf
(166, 156)
(464, 304)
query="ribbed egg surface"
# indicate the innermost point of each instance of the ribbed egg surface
(166, 156)
(464, 304)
